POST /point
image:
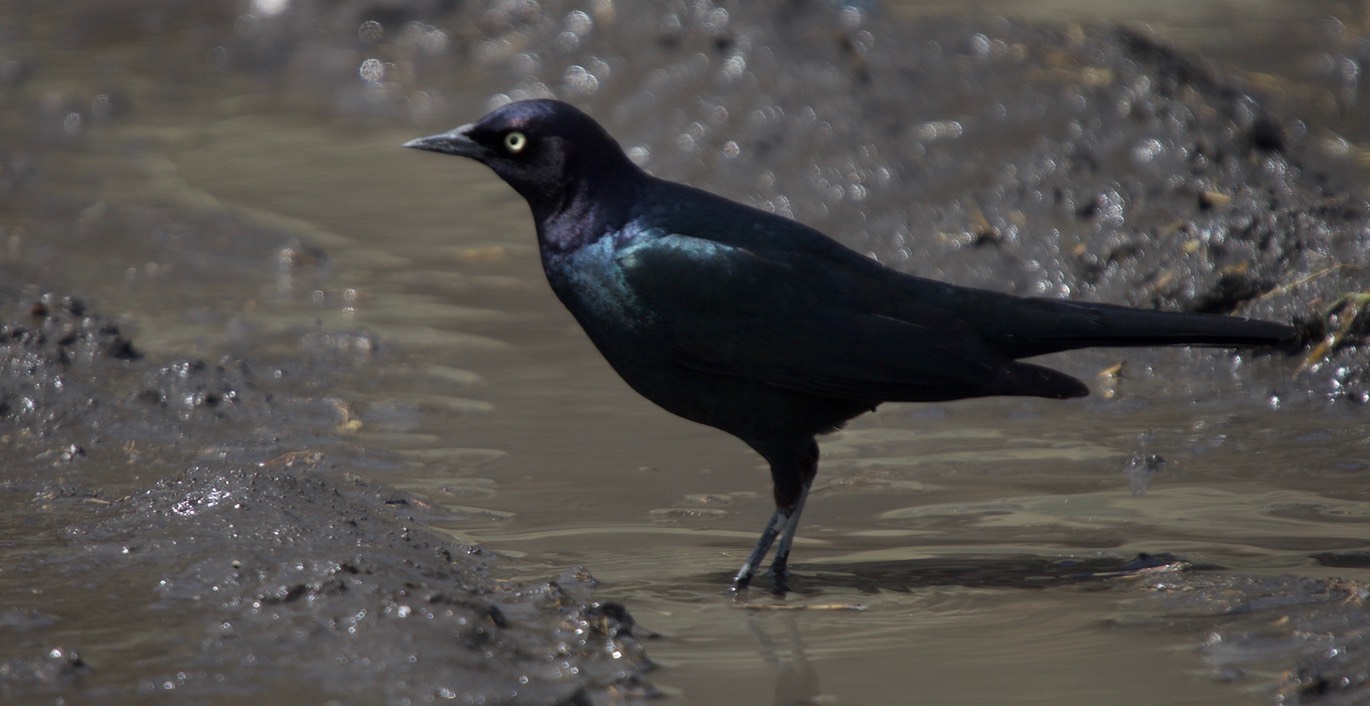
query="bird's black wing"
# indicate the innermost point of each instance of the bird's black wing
(800, 322)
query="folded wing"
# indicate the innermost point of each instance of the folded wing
(823, 329)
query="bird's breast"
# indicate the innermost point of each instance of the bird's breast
(590, 283)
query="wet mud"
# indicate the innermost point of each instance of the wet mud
(291, 565)
(240, 540)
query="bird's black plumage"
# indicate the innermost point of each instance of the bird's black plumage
(763, 327)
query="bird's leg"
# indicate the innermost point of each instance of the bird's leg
(793, 472)
(779, 570)
(779, 522)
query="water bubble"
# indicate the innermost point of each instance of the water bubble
(980, 45)
(525, 63)
(430, 39)
(717, 19)
(598, 67)
(851, 17)
(101, 106)
(1148, 150)
(371, 32)
(938, 130)
(734, 67)
(579, 23)
(71, 124)
(568, 41)
(580, 80)
(640, 154)
(372, 71)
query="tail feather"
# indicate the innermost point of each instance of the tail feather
(1020, 327)
(1024, 326)
(1036, 326)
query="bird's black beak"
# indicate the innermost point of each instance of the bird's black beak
(454, 141)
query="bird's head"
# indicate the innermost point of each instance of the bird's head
(549, 151)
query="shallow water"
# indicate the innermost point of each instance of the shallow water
(926, 565)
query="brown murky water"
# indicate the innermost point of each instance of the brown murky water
(504, 415)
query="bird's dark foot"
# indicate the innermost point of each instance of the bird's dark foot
(780, 578)
(780, 581)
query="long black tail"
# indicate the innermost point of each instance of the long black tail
(1039, 326)
(1021, 327)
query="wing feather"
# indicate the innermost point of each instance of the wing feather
(778, 318)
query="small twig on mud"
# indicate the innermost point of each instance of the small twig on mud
(1305, 280)
(1356, 303)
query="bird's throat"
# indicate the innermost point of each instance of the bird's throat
(582, 216)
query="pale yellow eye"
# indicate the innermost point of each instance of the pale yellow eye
(514, 142)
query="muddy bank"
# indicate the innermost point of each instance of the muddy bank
(224, 515)
(268, 554)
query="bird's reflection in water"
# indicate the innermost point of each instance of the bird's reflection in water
(796, 678)
(796, 681)
(1019, 571)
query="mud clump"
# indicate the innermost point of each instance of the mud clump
(59, 343)
(1312, 632)
(285, 563)
(309, 571)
